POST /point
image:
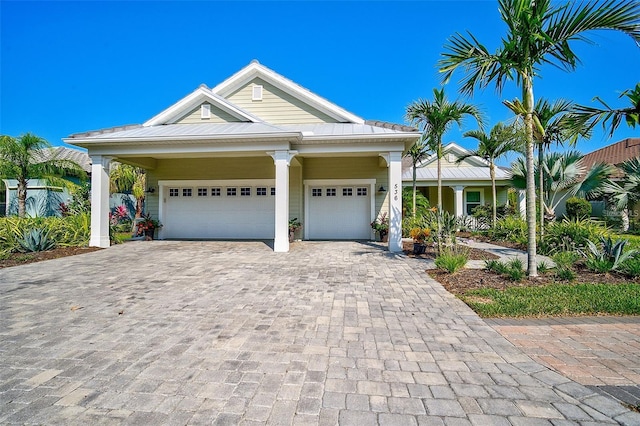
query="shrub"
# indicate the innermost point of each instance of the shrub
(410, 222)
(608, 253)
(578, 208)
(69, 231)
(452, 259)
(565, 274)
(565, 259)
(570, 235)
(510, 228)
(36, 239)
(513, 269)
(495, 266)
(543, 267)
(420, 234)
(631, 267)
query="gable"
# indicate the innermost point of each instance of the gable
(216, 115)
(451, 154)
(276, 105)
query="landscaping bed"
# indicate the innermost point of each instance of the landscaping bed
(431, 252)
(15, 259)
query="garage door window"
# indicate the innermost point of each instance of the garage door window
(231, 192)
(316, 192)
(331, 192)
(203, 192)
(273, 191)
(362, 192)
(347, 192)
(261, 191)
(174, 192)
(186, 192)
(245, 192)
(215, 192)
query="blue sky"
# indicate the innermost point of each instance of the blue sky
(68, 67)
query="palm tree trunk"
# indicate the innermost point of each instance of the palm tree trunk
(492, 172)
(22, 197)
(414, 189)
(439, 153)
(541, 189)
(528, 101)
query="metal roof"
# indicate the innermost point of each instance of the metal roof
(454, 173)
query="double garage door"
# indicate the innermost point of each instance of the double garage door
(246, 210)
(243, 210)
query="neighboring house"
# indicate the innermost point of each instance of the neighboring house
(615, 155)
(465, 185)
(44, 199)
(240, 160)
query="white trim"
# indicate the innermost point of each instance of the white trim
(256, 70)
(256, 92)
(192, 100)
(205, 110)
(308, 183)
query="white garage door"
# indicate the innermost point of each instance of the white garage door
(340, 212)
(231, 211)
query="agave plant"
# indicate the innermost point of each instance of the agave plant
(610, 251)
(36, 239)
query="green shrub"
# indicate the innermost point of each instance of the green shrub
(600, 266)
(510, 228)
(608, 252)
(69, 231)
(631, 267)
(570, 235)
(565, 259)
(36, 239)
(543, 267)
(578, 208)
(513, 269)
(452, 259)
(495, 266)
(565, 274)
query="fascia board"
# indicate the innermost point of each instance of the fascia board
(177, 110)
(231, 148)
(290, 136)
(363, 138)
(254, 70)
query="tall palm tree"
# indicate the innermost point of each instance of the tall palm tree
(551, 125)
(124, 177)
(434, 118)
(563, 176)
(418, 152)
(27, 157)
(500, 141)
(625, 193)
(590, 116)
(539, 33)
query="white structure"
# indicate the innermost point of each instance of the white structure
(242, 159)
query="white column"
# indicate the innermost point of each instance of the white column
(99, 201)
(522, 203)
(458, 191)
(282, 160)
(394, 164)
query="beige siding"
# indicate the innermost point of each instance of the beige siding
(207, 169)
(217, 116)
(296, 195)
(351, 168)
(276, 106)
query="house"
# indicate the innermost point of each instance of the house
(43, 198)
(615, 155)
(240, 160)
(465, 185)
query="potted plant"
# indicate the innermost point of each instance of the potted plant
(419, 235)
(381, 226)
(146, 226)
(294, 225)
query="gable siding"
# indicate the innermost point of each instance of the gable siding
(217, 116)
(276, 106)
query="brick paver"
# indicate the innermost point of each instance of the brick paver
(232, 333)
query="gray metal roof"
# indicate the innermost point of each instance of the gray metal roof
(454, 173)
(62, 153)
(236, 129)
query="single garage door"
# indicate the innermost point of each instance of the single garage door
(231, 211)
(340, 212)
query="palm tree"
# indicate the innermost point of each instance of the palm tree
(434, 118)
(124, 177)
(24, 158)
(500, 141)
(563, 176)
(418, 152)
(539, 33)
(590, 116)
(551, 125)
(627, 192)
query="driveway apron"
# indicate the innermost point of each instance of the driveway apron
(185, 332)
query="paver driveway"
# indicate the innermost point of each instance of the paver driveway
(232, 333)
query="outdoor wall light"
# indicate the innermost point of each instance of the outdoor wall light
(382, 189)
(151, 190)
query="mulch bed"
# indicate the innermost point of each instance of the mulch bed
(431, 252)
(16, 259)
